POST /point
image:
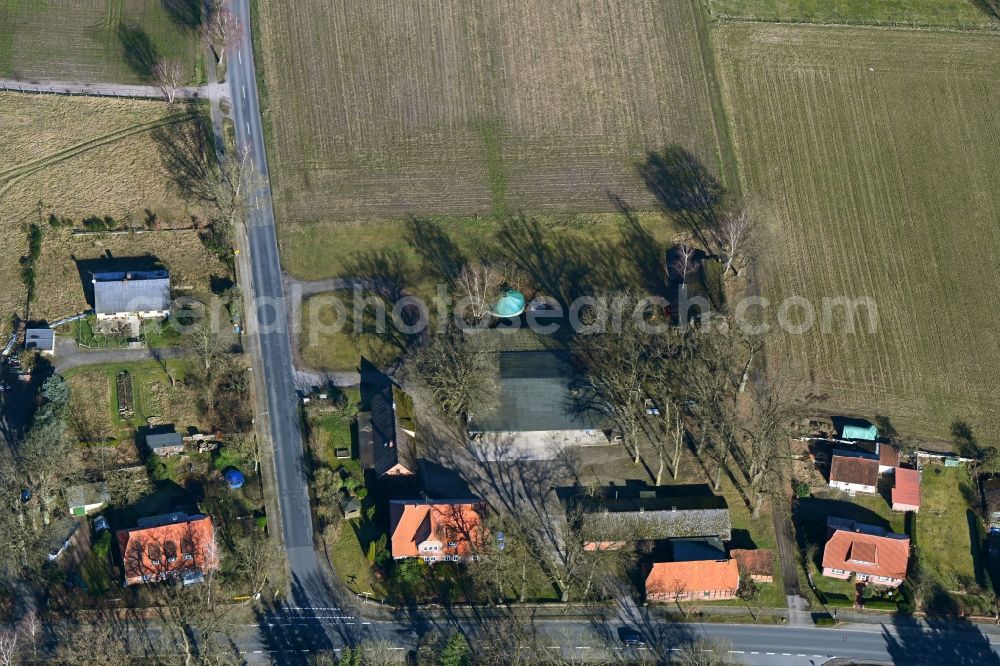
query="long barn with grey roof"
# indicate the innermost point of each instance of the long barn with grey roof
(132, 295)
(617, 516)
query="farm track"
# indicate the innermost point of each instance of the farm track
(10, 176)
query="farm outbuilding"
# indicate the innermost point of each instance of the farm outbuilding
(165, 443)
(906, 490)
(41, 339)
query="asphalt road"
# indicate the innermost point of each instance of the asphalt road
(313, 618)
(274, 344)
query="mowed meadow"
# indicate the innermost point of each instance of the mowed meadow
(97, 40)
(78, 157)
(383, 109)
(871, 157)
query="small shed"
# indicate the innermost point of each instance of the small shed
(351, 508)
(41, 339)
(87, 498)
(165, 443)
(906, 490)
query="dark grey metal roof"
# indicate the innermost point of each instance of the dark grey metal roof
(131, 292)
(164, 439)
(379, 437)
(40, 338)
(537, 393)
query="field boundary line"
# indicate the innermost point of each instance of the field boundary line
(720, 120)
(912, 27)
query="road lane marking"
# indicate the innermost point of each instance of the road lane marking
(239, 54)
(244, 92)
(248, 127)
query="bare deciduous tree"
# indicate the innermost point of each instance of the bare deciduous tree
(128, 486)
(30, 626)
(684, 263)
(477, 286)
(245, 446)
(204, 342)
(222, 28)
(10, 649)
(238, 181)
(169, 78)
(768, 438)
(733, 238)
(459, 371)
(618, 369)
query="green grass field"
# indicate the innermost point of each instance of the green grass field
(97, 40)
(950, 13)
(868, 157)
(384, 109)
(949, 533)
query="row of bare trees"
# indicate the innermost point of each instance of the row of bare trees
(668, 386)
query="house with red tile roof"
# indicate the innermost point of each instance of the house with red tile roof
(906, 490)
(698, 580)
(854, 475)
(436, 530)
(868, 553)
(169, 546)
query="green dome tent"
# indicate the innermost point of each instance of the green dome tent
(511, 304)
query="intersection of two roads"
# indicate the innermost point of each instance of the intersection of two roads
(319, 617)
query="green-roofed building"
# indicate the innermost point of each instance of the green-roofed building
(541, 409)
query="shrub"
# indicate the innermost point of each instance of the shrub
(802, 489)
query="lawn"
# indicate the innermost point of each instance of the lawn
(949, 13)
(74, 158)
(94, 397)
(866, 157)
(328, 342)
(115, 41)
(384, 109)
(949, 533)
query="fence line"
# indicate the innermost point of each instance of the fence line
(124, 92)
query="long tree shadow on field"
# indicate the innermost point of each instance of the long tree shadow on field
(137, 50)
(646, 253)
(186, 154)
(685, 189)
(382, 314)
(440, 258)
(188, 13)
